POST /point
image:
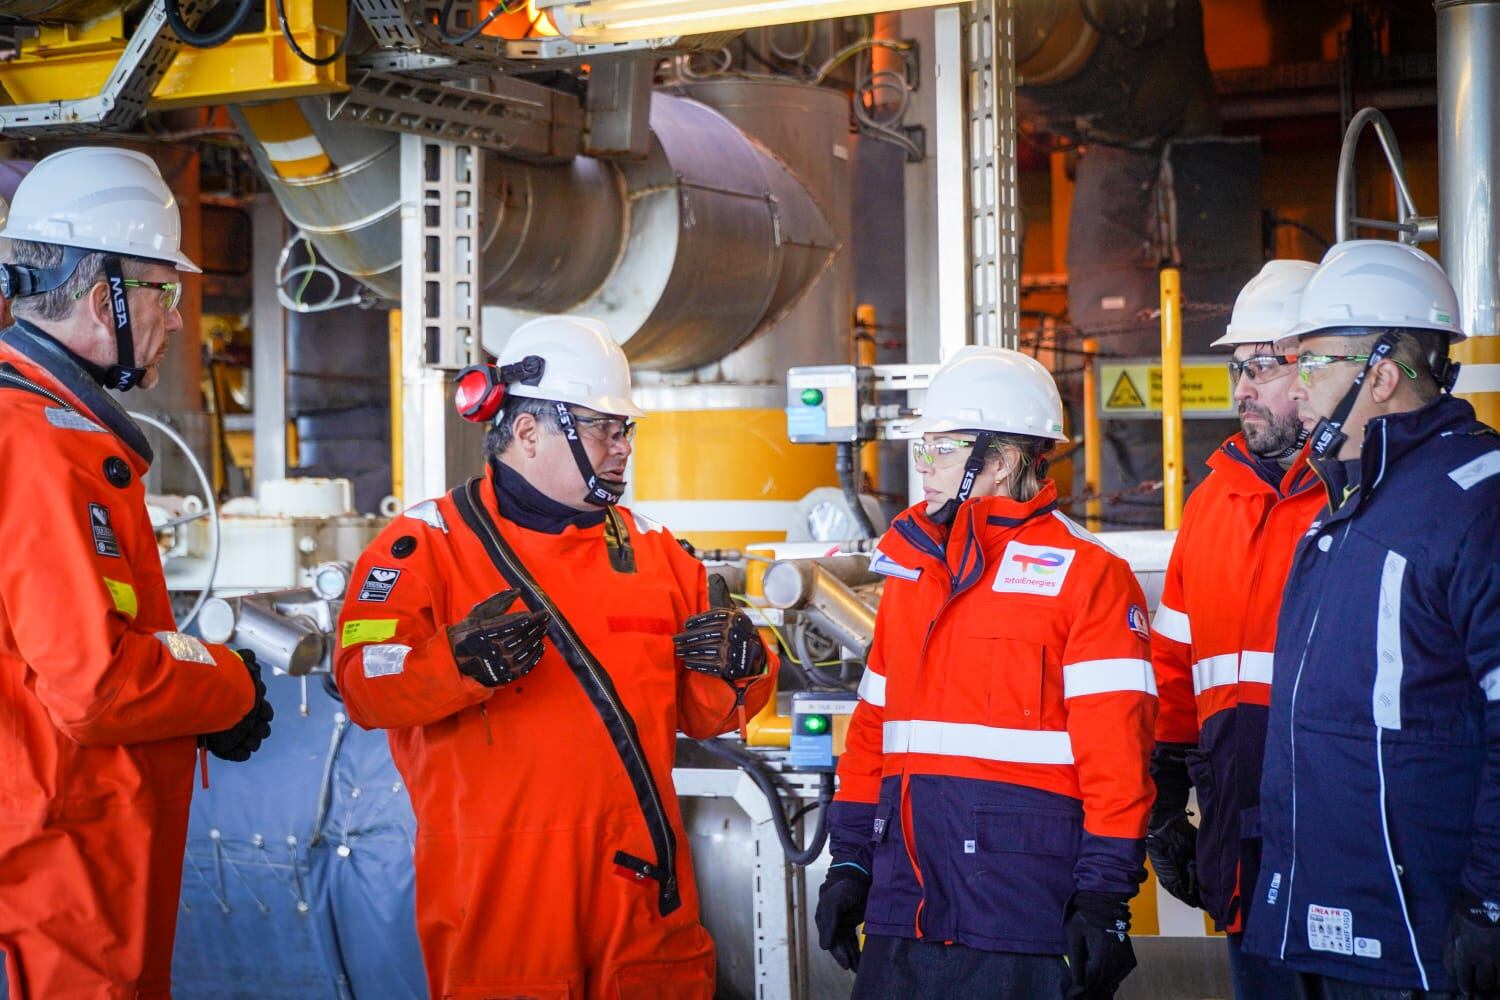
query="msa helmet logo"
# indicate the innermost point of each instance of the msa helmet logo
(117, 295)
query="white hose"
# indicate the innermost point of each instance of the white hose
(213, 509)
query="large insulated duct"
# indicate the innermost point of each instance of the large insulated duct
(686, 255)
(1469, 185)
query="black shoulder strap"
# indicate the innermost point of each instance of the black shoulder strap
(596, 683)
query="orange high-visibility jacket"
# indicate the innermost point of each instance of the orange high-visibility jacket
(537, 860)
(100, 697)
(1212, 639)
(997, 760)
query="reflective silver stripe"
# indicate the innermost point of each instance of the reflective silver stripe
(959, 739)
(71, 420)
(186, 648)
(872, 688)
(1255, 666)
(428, 513)
(384, 659)
(1386, 700)
(1172, 624)
(1078, 531)
(1490, 684)
(1471, 474)
(1101, 676)
(1215, 671)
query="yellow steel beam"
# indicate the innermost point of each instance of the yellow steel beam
(73, 61)
(1171, 397)
(1093, 440)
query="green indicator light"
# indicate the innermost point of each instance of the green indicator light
(812, 397)
(815, 724)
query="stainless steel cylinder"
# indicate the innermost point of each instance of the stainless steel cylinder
(823, 585)
(1468, 45)
(292, 643)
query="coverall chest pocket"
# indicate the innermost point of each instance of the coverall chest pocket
(1008, 665)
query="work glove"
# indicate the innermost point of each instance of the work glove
(1473, 951)
(1099, 954)
(841, 909)
(243, 738)
(494, 645)
(723, 642)
(1172, 846)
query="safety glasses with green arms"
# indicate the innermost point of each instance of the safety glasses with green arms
(1308, 362)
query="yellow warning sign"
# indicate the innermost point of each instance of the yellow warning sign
(1133, 388)
(1124, 395)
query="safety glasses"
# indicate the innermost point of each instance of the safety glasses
(940, 453)
(1307, 363)
(170, 291)
(606, 430)
(1261, 368)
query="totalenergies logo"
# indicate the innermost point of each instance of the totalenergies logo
(1044, 563)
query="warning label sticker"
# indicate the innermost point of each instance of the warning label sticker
(1330, 929)
(1133, 388)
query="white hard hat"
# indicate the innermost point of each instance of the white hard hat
(584, 364)
(992, 389)
(100, 198)
(1380, 284)
(1266, 308)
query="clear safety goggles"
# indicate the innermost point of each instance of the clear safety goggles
(1261, 368)
(169, 291)
(1308, 362)
(941, 453)
(606, 430)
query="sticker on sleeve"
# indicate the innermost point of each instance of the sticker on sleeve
(105, 543)
(1330, 929)
(384, 660)
(1138, 622)
(123, 594)
(1033, 569)
(379, 583)
(1367, 947)
(886, 566)
(186, 648)
(367, 630)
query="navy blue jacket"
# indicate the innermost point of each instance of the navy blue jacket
(1381, 788)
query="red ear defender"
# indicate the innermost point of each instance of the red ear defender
(478, 393)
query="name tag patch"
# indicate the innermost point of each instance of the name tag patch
(1330, 929)
(379, 583)
(105, 543)
(1033, 569)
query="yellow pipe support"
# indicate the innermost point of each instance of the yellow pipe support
(1171, 397)
(864, 356)
(768, 728)
(398, 468)
(1481, 356)
(1093, 442)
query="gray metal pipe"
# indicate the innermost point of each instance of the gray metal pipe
(825, 586)
(1468, 46)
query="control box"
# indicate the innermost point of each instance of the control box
(820, 722)
(826, 404)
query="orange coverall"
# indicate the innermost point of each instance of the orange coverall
(100, 703)
(521, 795)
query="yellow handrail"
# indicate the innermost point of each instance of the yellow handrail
(1171, 397)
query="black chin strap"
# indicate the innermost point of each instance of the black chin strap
(1328, 437)
(122, 375)
(977, 457)
(601, 492)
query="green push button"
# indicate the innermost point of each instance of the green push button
(812, 397)
(815, 724)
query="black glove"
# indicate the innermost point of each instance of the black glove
(243, 738)
(841, 909)
(1099, 954)
(494, 645)
(1172, 846)
(1473, 951)
(722, 642)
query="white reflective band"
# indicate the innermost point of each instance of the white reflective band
(1471, 474)
(304, 148)
(1385, 700)
(72, 420)
(385, 659)
(1101, 676)
(427, 512)
(1172, 624)
(1490, 685)
(186, 648)
(872, 688)
(1215, 671)
(958, 739)
(1255, 666)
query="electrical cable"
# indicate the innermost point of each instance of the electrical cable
(205, 40)
(503, 7)
(311, 60)
(762, 776)
(848, 471)
(213, 510)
